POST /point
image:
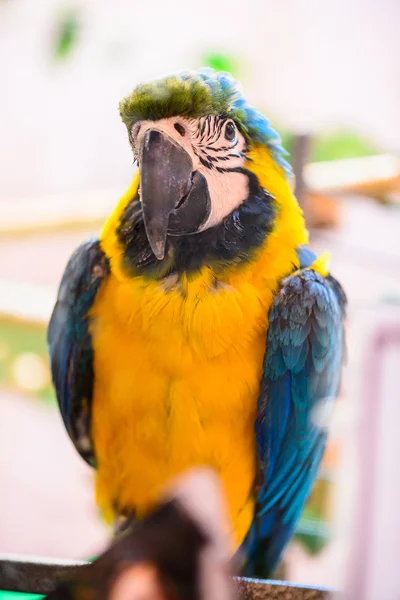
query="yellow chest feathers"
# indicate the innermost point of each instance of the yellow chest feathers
(178, 369)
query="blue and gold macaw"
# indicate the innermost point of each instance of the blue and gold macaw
(199, 329)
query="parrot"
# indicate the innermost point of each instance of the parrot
(180, 551)
(199, 328)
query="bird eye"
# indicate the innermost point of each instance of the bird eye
(180, 129)
(230, 131)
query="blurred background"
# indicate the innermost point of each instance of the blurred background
(327, 75)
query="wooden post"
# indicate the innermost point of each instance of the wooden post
(301, 155)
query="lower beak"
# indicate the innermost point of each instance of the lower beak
(174, 200)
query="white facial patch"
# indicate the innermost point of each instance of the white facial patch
(217, 149)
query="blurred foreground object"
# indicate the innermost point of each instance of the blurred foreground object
(180, 552)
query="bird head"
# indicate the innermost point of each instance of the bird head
(194, 137)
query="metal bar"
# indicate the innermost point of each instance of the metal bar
(22, 574)
(362, 569)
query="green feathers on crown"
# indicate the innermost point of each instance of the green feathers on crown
(195, 94)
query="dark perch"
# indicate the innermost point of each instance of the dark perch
(20, 574)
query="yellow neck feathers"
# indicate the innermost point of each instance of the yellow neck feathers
(289, 230)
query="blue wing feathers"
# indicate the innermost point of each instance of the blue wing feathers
(302, 367)
(70, 343)
(306, 256)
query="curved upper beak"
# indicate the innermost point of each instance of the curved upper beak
(175, 199)
(165, 178)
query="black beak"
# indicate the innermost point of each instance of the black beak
(174, 200)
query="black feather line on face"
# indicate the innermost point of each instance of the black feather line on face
(233, 241)
(205, 163)
(208, 119)
(218, 158)
(221, 122)
(222, 148)
(212, 159)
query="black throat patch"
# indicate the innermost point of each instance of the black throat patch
(233, 241)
